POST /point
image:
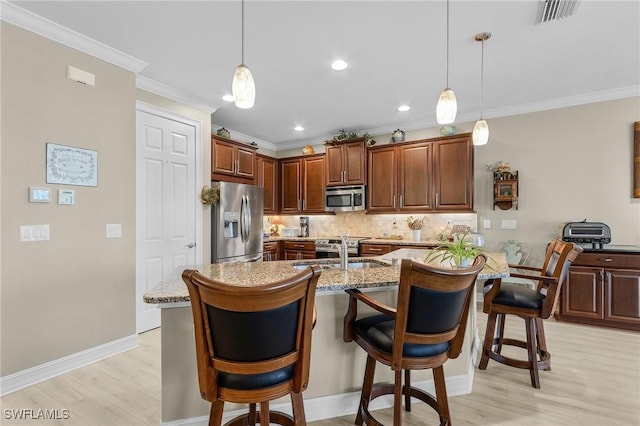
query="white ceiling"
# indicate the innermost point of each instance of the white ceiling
(396, 51)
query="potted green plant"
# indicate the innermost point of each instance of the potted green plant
(460, 252)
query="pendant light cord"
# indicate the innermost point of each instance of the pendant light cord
(447, 85)
(242, 35)
(481, 78)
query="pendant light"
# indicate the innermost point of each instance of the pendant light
(243, 87)
(447, 106)
(480, 134)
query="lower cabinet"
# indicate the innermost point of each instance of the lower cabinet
(375, 249)
(298, 250)
(602, 289)
(367, 249)
(271, 251)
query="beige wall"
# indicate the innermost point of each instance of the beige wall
(75, 291)
(574, 163)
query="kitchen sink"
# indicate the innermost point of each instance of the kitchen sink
(363, 264)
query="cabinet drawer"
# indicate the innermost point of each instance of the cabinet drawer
(300, 245)
(608, 260)
(375, 249)
(272, 245)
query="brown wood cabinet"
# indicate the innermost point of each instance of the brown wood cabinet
(453, 173)
(267, 178)
(232, 161)
(271, 251)
(297, 250)
(346, 163)
(369, 249)
(427, 175)
(302, 185)
(602, 288)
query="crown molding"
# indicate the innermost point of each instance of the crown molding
(241, 137)
(23, 18)
(549, 104)
(145, 83)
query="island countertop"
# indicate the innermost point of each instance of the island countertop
(173, 290)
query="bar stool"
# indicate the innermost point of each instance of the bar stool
(253, 344)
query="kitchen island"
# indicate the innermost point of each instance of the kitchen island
(337, 368)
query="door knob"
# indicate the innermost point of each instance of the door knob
(190, 245)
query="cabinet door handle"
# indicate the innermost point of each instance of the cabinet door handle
(401, 200)
(304, 204)
(602, 275)
(606, 259)
(394, 201)
(437, 199)
(299, 204)
(608, 278)
(374, 249)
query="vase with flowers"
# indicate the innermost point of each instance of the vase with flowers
(416, 227)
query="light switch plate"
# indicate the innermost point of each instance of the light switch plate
(30, 233)
(487, 224)
(114, 230)
(509, 224)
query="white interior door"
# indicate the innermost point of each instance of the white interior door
(165, 205)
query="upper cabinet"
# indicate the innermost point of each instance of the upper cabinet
(346, 163)
(426, 175)
(302, 181)
(232, 161)
(267, 178)
(453, 173)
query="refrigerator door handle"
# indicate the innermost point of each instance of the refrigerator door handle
(243, 218)
(248, 212)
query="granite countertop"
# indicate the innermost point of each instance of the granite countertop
(366, 241)
(173, 290)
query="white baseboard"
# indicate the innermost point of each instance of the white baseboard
(327, 407)
(40, 373)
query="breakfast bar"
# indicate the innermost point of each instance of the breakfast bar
(336, 366)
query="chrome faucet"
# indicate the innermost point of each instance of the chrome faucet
(343, 252)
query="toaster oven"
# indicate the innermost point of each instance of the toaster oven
(594, 233)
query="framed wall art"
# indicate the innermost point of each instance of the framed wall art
(68, 165)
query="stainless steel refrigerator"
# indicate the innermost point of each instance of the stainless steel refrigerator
(236, 224)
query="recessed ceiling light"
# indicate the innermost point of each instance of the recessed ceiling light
(228, 98)
(339, 65)
(298, 128)
(403, 108)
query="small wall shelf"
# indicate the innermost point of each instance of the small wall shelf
(505, 190)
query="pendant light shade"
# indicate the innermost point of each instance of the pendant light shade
(243, 87)
(447, 106)
(480, 135)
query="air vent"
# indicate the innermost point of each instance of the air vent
(549, 10)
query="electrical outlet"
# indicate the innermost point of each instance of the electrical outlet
(487, 224)
(509, 224)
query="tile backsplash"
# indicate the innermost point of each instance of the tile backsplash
(361, 224)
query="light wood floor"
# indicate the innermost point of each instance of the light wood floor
(595, 380)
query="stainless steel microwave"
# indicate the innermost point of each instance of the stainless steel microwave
(344, 198)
